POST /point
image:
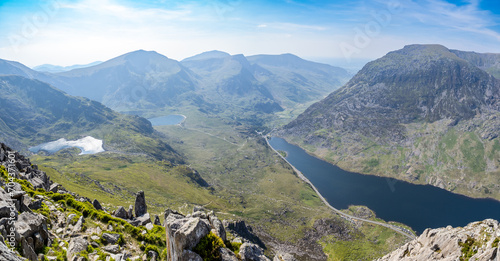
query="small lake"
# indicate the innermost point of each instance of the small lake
(167, 120)
(418, 206)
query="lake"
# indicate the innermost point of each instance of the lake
(167, 120)
(418, 206)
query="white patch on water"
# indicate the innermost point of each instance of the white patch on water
(88, 145)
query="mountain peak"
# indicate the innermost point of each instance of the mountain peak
(214, 54)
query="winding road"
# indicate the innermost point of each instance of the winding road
(400, 230)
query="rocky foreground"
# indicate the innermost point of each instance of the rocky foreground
(476, 241)
(40, 220)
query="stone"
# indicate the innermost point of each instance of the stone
(28, 224)
(96, 204)
(217, 227)
(141, 221)
(115, 249)
(140, 204)
(79, 225)
(157, 220)
(76, 245)
(227, 255)
(111, 238)
(184, 234)
(70, 221)
(149, 226)
(121, 213)
(54, 187)
(28, 250)
(188, 255)
(130, 212)
(252, 252)
(284, 257)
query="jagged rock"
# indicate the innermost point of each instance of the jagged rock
(115, 249)
(79, 225)
(198, 208)
(7, 207)
(141, 221)
(284, 257)
(28, 250)
(28, 224)
(54, 187)
(140, 204)
(184, 233)
(149, 226)
(199, 214)
(169, 211)
(70, 221)
(157, 221)
(111, 238)
(447, 243)
(121, 213)
(34, 204)
(241, 229)
(227, 255)
(7, 254)
(130, 212)
(217, 227)
(76, 245)
(252, 252)
(96, 204)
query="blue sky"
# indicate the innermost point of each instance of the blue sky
(66, 32)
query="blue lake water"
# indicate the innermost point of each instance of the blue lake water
(418, 206)
(167, 120)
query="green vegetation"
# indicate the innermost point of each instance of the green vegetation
(469, 248)
(495, 242)
(473, 150)
(208, 247)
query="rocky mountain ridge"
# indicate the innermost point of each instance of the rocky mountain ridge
(421, 114)
(476, 241)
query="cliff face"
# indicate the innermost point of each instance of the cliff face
(476, 241)
(421, 114)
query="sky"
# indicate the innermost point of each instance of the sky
(343, 33)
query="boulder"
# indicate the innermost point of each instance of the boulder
(130, 212)
(217, 227)
(157, 221)
(114, 249)
(79, 225)
(28, 250)
(252, 252)
(76, 245)
(121, 213)
(96, 204)
(184, 234)
(284, 257)
(141, 221)
(54, 187)
(188, 255)
(28, 224)
(140, 204)
(111, 238)
(227, 255)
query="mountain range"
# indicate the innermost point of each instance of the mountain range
(56, 68)
(423, 114)
(213, 82)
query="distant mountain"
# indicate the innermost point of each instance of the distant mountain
(214, 82)
(421, 113)
(56, 68)
(292, 79)
(490, 62)
(33, 112)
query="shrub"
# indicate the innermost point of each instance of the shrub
(208, 247)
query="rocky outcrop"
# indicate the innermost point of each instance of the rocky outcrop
(240, 229)
(76, 245)
(476, 241)
(140, 204)
(252, 252)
